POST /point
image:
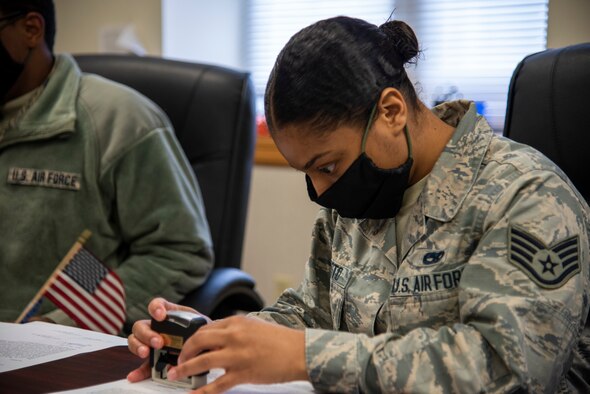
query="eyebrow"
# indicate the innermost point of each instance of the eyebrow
(313, 160)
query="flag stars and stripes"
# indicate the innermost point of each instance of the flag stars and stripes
(89, 293)
(85, 271)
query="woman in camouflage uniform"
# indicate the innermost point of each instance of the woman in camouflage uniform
(446, 258)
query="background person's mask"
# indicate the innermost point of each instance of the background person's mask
(10, 70)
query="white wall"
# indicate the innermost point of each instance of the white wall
(278, 231)
(569, 22)
(80, 23)
(203, 31)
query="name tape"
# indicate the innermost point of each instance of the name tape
(425, 283)
(44, 178)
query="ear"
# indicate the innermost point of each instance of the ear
(34, 26)
(393, 110)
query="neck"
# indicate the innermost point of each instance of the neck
(430, 137)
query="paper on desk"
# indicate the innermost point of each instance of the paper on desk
(151, 387)
(23, 345)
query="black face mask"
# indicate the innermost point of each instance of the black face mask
(366, 191)
(10, 71)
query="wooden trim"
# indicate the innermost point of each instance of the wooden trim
(266, 152)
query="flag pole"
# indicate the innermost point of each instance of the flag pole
(68, 257)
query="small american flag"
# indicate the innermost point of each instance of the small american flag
(89, 293)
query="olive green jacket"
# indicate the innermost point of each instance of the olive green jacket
(93, 154)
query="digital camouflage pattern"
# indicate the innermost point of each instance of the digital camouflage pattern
(469, 308)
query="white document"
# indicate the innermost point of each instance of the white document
(150, 387)
(23, 345)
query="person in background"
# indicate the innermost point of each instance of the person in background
(445, 258)
(95, 155)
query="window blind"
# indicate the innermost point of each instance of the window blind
(470, 47)
(270, 24)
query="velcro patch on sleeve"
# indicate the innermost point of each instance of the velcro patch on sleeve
(548, 266)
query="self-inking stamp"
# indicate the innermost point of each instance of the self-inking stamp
(175, 330)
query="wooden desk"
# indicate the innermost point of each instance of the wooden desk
(79, 371)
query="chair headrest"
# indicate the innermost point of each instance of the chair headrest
(548, 105)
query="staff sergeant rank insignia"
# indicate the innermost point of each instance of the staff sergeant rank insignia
(550, 267)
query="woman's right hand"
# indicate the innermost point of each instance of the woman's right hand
(143, 337)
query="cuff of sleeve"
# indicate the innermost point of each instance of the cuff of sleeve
(267, 317)
(332, 360)
(59, 317)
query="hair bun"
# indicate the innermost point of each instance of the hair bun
(401, 38)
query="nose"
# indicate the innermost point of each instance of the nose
(320, 185)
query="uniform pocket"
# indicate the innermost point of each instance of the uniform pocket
(432, 310)
(339, 277)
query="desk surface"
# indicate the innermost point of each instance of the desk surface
(70, 373)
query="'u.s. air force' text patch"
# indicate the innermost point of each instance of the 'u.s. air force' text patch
(45, 178)
(548, 266)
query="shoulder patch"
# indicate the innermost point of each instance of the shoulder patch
(548, 266)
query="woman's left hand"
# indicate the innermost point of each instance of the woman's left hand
(250, 350)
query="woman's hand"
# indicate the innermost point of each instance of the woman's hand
(250, 350)
(142, 337)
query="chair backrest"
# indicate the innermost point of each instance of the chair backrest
(548, 106)
(212, 110)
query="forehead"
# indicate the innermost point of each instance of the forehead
(299, 146)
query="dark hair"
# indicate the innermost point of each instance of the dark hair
(43, 7)
(333, 72)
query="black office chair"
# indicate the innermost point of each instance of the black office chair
(212, 111)
(548, 105)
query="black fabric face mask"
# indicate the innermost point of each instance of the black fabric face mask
(366, 191)
(9, 70)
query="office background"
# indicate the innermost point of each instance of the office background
(280, 215)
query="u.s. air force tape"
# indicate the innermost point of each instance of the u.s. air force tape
(426, 283)
(44, 178)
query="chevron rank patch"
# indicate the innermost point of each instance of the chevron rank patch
(548, 266)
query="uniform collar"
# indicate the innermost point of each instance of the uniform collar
(54, 112)
(457, 168)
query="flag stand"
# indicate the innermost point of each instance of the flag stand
(73, 250)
